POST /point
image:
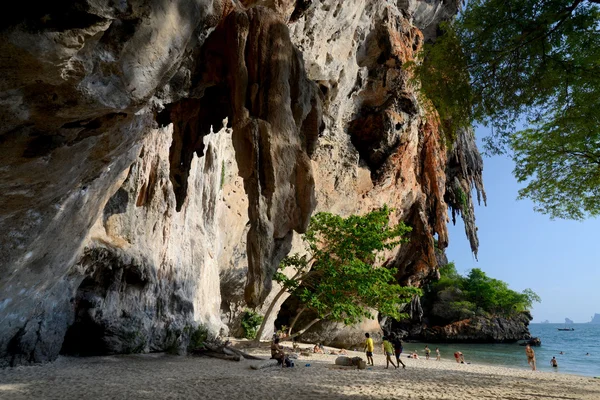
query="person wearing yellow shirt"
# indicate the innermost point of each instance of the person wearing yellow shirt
(369, 347)
(388, 350)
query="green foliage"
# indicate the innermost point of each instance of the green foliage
(443, 75)
(561, 171)
(337, 279)
(503, 62)
(222, 174)
(462, 197)
(477, 294)
(198, 336)
(250, 323)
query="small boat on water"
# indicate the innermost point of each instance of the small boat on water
(566, 329)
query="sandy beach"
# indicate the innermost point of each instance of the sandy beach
(161, 376)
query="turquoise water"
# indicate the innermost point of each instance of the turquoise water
(574, 344)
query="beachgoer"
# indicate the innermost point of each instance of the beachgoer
(553, 362)
(277, 352)
(427, 352)
(398, 351)
(587, 354)
(460, 358)
(437, 354)
(317, 349)
(530, 356)
(369, 347)
(388, 350)
(415, 355)
(561, 353)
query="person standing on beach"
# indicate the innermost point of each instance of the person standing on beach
(427, 352)
(530, 356)
(388, 351)
(437, 354)
(369, 347)
(398, 352)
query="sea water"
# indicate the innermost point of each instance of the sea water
(574, 345)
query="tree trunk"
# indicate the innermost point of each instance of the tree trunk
(295, 320)
(307, 327)
(267, 314)
(298, 276)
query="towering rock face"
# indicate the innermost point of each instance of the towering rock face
(126, 208)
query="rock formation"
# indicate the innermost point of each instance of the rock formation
(131, 212)
(595, 319)
(473, 330)
(437, 322)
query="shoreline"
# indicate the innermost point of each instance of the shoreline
(163, 376)
(513, 356)
(352, 353)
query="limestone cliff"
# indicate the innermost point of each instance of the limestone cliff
(478, 329)
(156, 158)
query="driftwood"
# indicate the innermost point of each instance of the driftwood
(222, 356)
(224, 351)
(264, 364)
(334, 366)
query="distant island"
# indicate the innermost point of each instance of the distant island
(568, 321)
(595, 319)
(545, 322)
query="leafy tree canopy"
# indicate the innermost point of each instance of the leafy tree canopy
(477, 294)
(337, 279)
(504, 62)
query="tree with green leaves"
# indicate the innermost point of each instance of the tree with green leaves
(508, 63)
(459, 297)
(337, 277)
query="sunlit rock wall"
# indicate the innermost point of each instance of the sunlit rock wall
(124, 218)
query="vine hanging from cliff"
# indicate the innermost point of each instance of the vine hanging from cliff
(442, 73)
(530, 70)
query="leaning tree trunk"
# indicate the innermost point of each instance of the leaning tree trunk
(261, 329)
(299, 276)
(295, 320)
(307, 327)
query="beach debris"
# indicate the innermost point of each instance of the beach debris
(223, 350)
(264, 364)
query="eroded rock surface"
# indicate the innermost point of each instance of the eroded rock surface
(124, 215)
(478, 329)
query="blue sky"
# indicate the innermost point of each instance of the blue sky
(555, 258)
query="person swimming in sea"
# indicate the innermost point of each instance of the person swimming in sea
(554, 362)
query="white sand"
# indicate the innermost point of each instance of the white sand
(159, 376)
